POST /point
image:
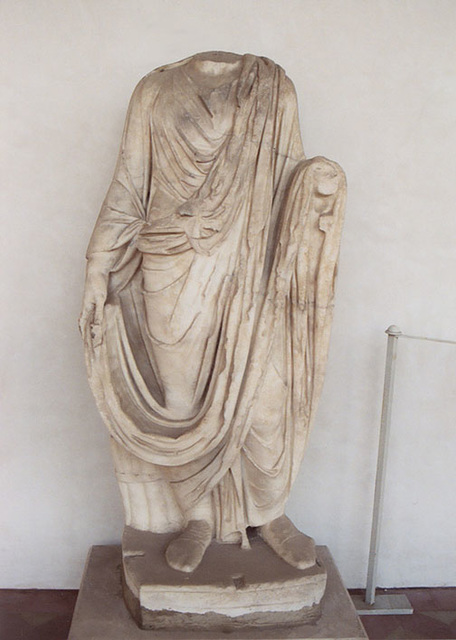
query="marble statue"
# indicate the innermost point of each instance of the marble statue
(208, 304)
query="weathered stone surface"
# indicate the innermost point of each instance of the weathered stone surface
(101, 613)
(207, 312)
(231, 588)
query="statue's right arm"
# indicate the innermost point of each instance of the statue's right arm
(122, 215)
(98, 268)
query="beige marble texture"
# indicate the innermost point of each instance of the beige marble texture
(231, 586)
(101, 614)
(208, 304)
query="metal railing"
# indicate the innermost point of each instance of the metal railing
(385, 604)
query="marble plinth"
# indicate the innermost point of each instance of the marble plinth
(231, 589)
(101, 613)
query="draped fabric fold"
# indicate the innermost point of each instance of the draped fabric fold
(217, 322)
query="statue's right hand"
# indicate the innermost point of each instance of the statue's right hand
(95, 294)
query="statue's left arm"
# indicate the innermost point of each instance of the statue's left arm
(322, 187)
(306, 267)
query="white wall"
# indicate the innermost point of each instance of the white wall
(377, 91)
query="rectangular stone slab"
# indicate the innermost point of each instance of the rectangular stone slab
(101, 613)
(232, 587)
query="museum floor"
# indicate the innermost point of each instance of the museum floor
(39, 614)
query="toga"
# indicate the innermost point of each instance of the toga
(216, 325)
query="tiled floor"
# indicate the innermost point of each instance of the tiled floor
(35, 614)
(27, 614)
(434, 616)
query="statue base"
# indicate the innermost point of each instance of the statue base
(101, 613)
(231, 589)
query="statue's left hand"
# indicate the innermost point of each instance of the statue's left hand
(328, 179)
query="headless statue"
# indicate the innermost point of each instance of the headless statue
(208, 304)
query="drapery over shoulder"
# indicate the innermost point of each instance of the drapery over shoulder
(124, 210)
(233, 217)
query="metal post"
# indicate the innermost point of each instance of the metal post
(397, 603)
(393, 334)
(386, 604)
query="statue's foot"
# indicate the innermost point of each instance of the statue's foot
(289, 543)
(185, 552)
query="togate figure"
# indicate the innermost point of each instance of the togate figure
(208, 304)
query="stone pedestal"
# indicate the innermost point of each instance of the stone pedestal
(231, 589)
(101, 613)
